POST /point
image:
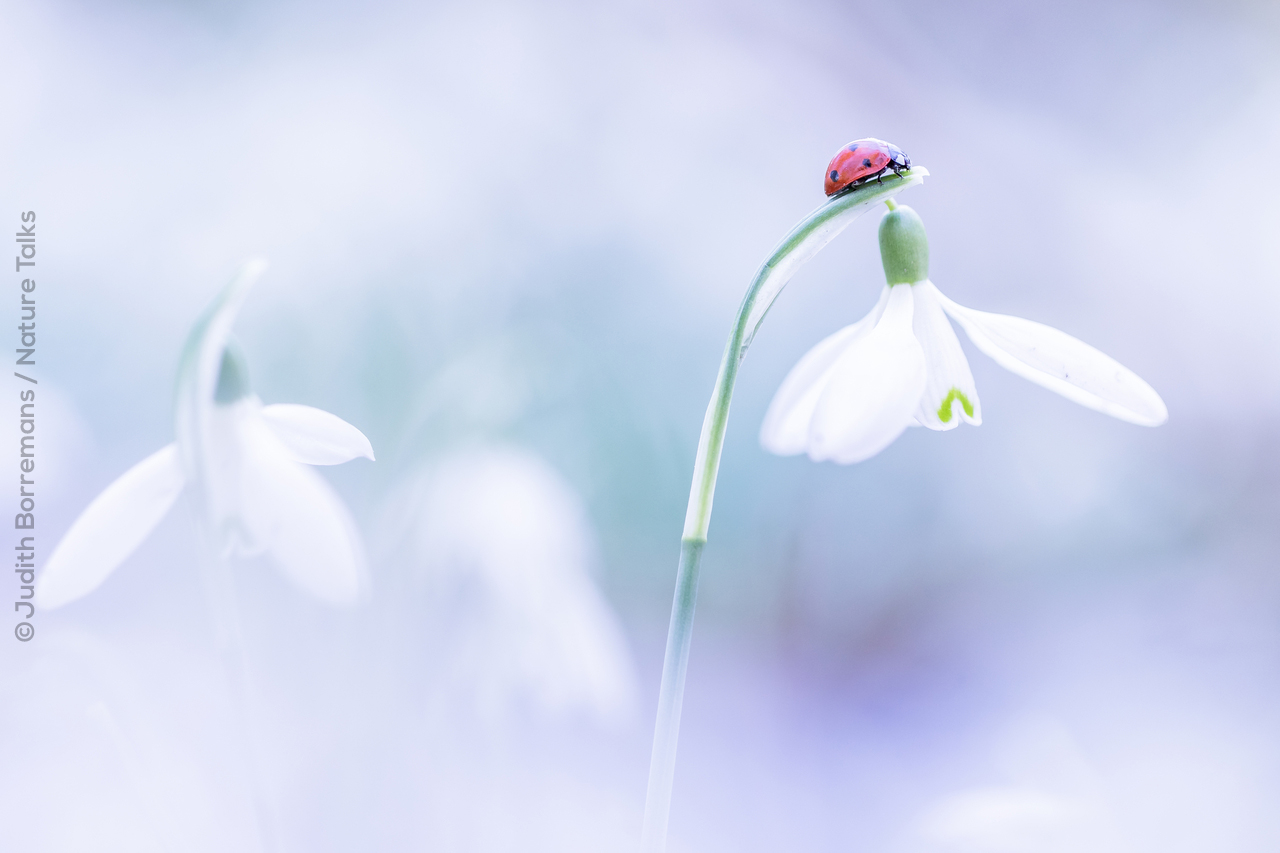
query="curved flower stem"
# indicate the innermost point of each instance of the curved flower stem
(199, 369)
(220, 594)
(804, 241)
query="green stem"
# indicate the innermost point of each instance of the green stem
(662, 763)
(804, 241)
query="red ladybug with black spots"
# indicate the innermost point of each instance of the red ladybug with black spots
(862, 160)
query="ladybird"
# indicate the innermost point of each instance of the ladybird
(862, 160)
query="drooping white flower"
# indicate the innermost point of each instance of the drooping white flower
(505, 547)
(855, 392)
(243, 464)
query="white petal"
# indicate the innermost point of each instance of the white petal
(950, 394)
(1061, 363)
(111, 528)
(785, 430)
(314, 436)
(302, 521)
(874, 388)
(237, 509)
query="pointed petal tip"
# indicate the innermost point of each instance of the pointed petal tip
(366, 448)
(316, 437)
(1160, 412)
(1159, 415)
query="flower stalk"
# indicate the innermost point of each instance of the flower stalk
(801, 244)
(220, 597)
(210, 374)
(244, 469)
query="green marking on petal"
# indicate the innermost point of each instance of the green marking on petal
(944, 411)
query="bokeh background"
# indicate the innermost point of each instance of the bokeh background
(512, 237)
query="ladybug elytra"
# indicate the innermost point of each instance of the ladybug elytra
(862, 160)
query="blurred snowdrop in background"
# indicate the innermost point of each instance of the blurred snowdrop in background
(515, 673)
(504, 550)
(244, 466)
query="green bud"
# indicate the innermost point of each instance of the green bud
(233, 376)
(904, 248)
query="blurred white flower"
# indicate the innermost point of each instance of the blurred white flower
(505, 545)
(856, 391)
(1056, 801)
(240, 463)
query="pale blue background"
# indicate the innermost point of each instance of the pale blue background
(532, 223)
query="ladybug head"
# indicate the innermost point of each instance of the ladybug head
(895, 153)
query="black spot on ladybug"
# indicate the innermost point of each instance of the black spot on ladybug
(866, 161)
(835, 176)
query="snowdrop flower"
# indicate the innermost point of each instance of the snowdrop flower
(856, 391)
(505, 546)
(244, 465)
(803, 242)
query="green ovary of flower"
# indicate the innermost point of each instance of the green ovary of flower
(904, 248)
(233, 376)
(944, 411)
